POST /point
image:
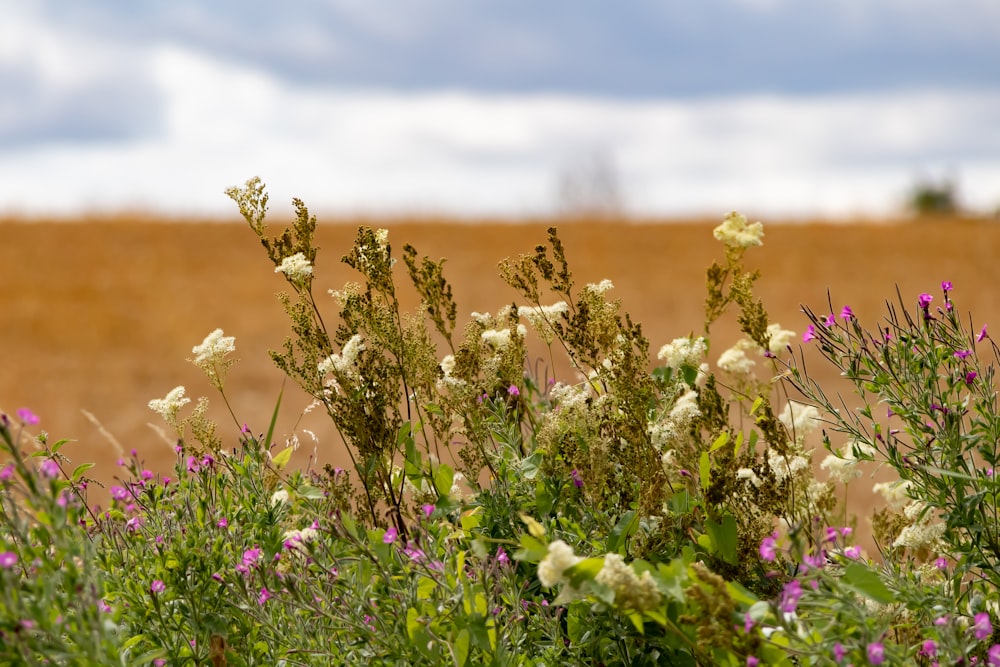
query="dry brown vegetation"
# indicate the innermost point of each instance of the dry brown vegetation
(101, 314)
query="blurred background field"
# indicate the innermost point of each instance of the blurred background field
(101, 314)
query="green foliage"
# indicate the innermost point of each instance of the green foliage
(627, 516)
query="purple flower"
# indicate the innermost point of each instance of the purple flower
(250, 558)
(876, 653)
(853, 552)
(513, 390)
(993, 657)
(982, 335)
(27, 416)
(223, 523)
(157, 586)
(828, 321)
(752, 661)
(390, 535)
(962, 354)
(6, 472)
(929, 648)
(839, 652)
(846, 313)
(147, 475)
(577, 480)
(119, 493)
(192, 464)
(982, 626)
(924, 300)
(790, 595)
(428, 510)
(104, 606)
(945, 286)
(7, 559)
(970, 377)
(264, 596)
(502, 557)
(809, 335)
(941, 563)
(767, 546)
(49, 468)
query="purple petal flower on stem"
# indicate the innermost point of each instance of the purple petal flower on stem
(119, 493)
(513, 390)
(192, 464)
(223, 522)
(264, 596)
(982, 626)
(993, 657)
(809, 334)
(945, 286)
(767, 547)
(982, 335)
(502, 557)
(970, 377)
(752, 661)
(157, 586)
(8, 559)
(941, 563)
(962, 354)
(929, 648)
(924, 301)
(49, 468)
(876, 653)
(828, 321)
(839, 652)
(577, 480)
(790, 595)
(27, 416)
(846, 313)
(853, 552)
(390, 536)
(428, 510)
(6, 472)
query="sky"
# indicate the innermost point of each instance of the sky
(782, 108)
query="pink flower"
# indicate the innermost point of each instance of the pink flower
(809, 335)
(982, 626)
(390, 536)
(982, 335)
(49, 468)
(119, 493)
(502, 557)
(157, 586)
(790, 595)
(6, 472)
(428, 509)
(945, 286)
(104, 607)
(223, 523)
(192, 464)
(577, 480)
(876, 653)
(767, 546)
(8, 559)
(752, 661)
(839, 652)
(928, 648)
(924, 300)
(846, 313)
(962, 354)
(513, 390)
(264, 596)
(970, 377)
(853, 552)
(993, 657)
(27, 416)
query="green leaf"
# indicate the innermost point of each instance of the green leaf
(79, 470)
(704, 470)
(462, 647)
(863, 580)
(739, 444)
(543, 499)
(725, 537)
(444, 476)
(274, 418)
(585, 570)
(623, 530)
(759, 401)
(58, 444)
(532, 549)
(720, 441)
(282, 459)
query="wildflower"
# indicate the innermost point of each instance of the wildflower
(498, 339)
(962, 354)
(295, 539)
(223, 523)
(828, 321)
(683, 351)
(213, 349)
(798, 418)
(27, 416)
(929, 648)
(513, 390)
(735, 360)
(982, 335)
(809, 334)
(749, 475)
(8, 559)
(279, 497)
(778, 339)
(631, 591)
(843, 466)
(6, 472)
(577, 480)
(923, 532)
(982, 626)
(601, 287)
(157, 586)
(970, 377)
(790, 595)
(119, 493)
(344, 362)
(134, 523)
(541, 318)
(49, 468)
(736, 233)
(924, 300)
(945, 286)
(502, 557)
(846, 313)
(752, 661)
(390, 535)
(168, 406)
(103, 606)
(853, 552)
(767, 547)
(428, 509)
(264, 596)
(895, 493)
(296, 267)
(193, 465)
(993, 657)
(839, 652)
(941, 563)
(876, 653)
(559, 558)
(784, 466)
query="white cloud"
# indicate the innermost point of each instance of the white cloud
(469, 153)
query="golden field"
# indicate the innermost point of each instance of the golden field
(101, 313)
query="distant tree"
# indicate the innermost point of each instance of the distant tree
(928, 198)
(590, 186)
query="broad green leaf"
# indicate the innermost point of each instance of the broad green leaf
(725, 537)
(532, 549)
(704, 470)
(462, 648)
(444, 476)
(79, 470)
(624, 529)
(585, 570)
(863, 580)
(720, 441)
(282, 459)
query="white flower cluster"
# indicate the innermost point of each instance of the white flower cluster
(213, 349)
(542, 317)
(559, 559)
(168, 406)
(298, 538)
(843, 466)
(665, 431)
(344, 362)
(683, 351)
(631, 591)
(895, 493)
(279, 497)
(923, 532)
(599, 288)
(500, 339)
(296, 267)
(735, 359)
(779, 339)
(747, 474)
(799, 419)
(736, 233)
(784, 466)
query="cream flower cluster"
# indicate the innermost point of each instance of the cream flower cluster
(296, 267)
(168, 406)
(542, 317)
(799, 419)
(631, 591)
(779, 339)
(213, 349)
(500, 338)
(683, 351)
(843, 466)
(735, 359)
(600, 288)
(923, 532)
(344, 362)
(559, 559)
(736, 233)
